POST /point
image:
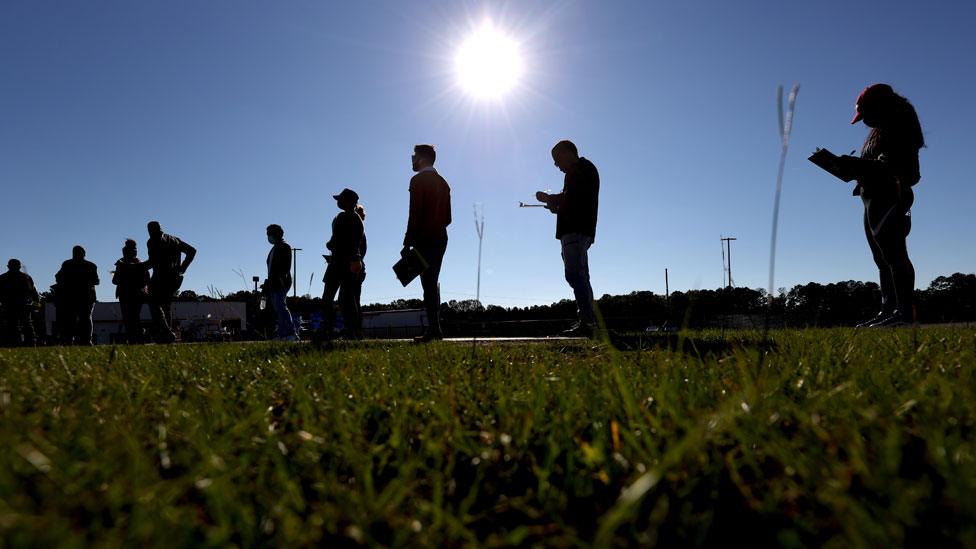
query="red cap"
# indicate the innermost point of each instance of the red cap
(871, 96)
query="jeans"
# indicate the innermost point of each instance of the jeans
(577, 270)
(161, 292)
(131, 309)
(286, 324)
(433, 253)
(75, 321)
(18, 326)
(339, 277)
(887, 233)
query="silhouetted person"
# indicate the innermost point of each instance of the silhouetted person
(345, 265)
(576, 212)
(885, 172)
(76, 298)
(355, 287)
(131, 281)
(279, 281)
(17, 298)
(168, 264)
(430, 214)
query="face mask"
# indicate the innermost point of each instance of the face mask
(272, 240)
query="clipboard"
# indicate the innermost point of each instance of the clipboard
(409, 266)
(827, 161)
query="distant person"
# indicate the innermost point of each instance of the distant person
(76, 281)
(17, 298)
(131, 281)
(169, 258)
(430, 214)
(576, 212)
(345, 266)
(279, 281)
(886, 171)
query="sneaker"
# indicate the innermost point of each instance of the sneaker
(578, 330)
(877, 318)
(429, 336)
(894, 320)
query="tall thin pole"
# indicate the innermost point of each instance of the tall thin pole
(667, 292)
(727, 249)
(479, 227)
(294, 271)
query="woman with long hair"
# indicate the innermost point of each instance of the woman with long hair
(885, 172)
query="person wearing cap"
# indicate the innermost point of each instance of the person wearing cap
(430, 215)
(169, 257)
(279, 281)
(886, 171)
(576, 213)
(17, 298)
(76, 281)
(131, 281)
(345, 266)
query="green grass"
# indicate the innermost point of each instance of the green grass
(825, 437)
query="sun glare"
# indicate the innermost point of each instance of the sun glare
(488, 63)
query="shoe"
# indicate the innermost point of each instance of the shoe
(429, 336)
(578, 330)
(877, 318)
(894, 320)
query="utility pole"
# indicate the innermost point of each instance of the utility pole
(479, 227)
(294, 270)
(727, 252)
(667, 292)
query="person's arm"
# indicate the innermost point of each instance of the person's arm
(415, 215)
(190, 253)
(552, 201)
(94, 275)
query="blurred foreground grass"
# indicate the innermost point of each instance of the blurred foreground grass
(825, 436)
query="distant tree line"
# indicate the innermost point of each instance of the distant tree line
(947, 299)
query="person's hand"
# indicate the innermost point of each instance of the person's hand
(356, 266)
(542, 197)
(848, 164)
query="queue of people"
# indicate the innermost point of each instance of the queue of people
(885, 172)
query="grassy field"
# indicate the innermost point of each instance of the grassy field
(821, 436)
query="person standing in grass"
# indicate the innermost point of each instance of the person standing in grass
(343, 273)
(131, 281)
(576, 213)
(76, 298)
(430, 215)
(166, 259)
(279, 281)
(355, 328)
(885, 172)
(17, 297)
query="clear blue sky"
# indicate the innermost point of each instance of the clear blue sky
(252, 113)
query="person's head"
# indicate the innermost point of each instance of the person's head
(884, 111)
(360, 211)
(129, 249)
(423, 156)
(565, 156)
(13, 265)
(155, 231)
(346, 200)
(275, 233)
(77, 252)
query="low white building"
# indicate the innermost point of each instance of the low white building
(192, 320)
(394, 324)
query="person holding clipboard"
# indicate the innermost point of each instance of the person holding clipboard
(885, 173)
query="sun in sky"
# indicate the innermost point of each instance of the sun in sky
(488, 63)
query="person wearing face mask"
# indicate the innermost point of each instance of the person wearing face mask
(885, 172)
(131, 281)
(279, 281)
